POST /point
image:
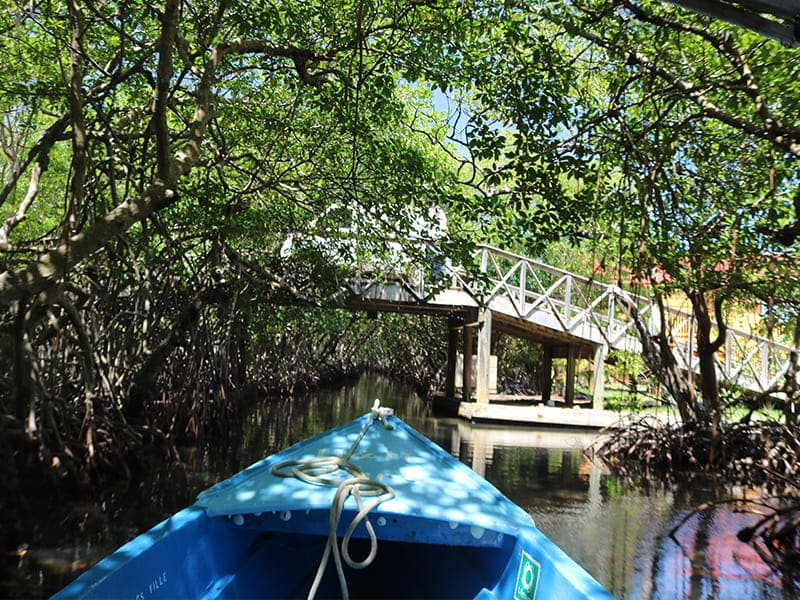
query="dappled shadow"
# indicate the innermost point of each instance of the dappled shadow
(428, 482)
(446, 533)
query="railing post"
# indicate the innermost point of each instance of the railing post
(728, 357)
(655, 317)
(612, 306)
(568, 302)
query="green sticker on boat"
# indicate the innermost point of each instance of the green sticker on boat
(527, 578)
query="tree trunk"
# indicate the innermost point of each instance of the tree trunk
(790, 386)
(79, 134)
(657, 355)
(143, 385)
(709, 382)
(23, 380)
(706, 350)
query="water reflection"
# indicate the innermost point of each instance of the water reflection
(705, 559)
(618, 533)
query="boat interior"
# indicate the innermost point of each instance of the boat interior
(283, 565)
(277, 555)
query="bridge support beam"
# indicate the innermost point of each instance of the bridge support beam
(599, 376)
(483, 352)
(466, 376)
(569, 387)
(452, 351)
(546, 373)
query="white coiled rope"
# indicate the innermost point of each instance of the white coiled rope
(318, 471)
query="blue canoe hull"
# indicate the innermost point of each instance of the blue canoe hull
(256, 552)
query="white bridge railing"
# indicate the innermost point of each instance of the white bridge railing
(548, 296)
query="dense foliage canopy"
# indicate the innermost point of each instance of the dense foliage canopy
(164, 161)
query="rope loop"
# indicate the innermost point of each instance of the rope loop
(316, 471)
(320, 471)
(359, 488)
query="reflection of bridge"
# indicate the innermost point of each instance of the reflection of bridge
(475, 444)
(571, 316)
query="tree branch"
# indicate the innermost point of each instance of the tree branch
(50, 136)
(166, 43)
(773, 130)
(33, 190)
(79, 135)
(48, 268)
(722, 327)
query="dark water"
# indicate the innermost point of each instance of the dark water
(619, 534)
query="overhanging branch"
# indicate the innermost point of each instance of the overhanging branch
(45, 271)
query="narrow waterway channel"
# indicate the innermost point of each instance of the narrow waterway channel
(617, 532)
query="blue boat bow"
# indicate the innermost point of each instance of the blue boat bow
(428, 525)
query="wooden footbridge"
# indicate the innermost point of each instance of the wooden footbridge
(571, 316)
